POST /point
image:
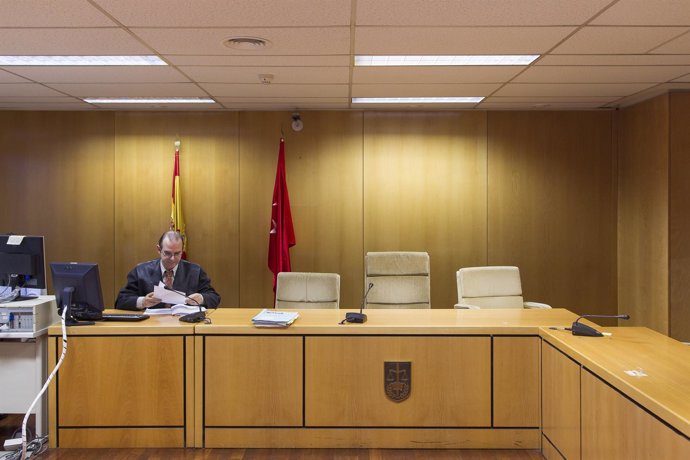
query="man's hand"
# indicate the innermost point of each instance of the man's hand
(196, 297)
(150, 300)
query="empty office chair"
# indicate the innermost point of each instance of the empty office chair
(401, 279)
(491, 287)
(307, 290)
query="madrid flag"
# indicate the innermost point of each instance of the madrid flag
(176, 220)
(282, 235)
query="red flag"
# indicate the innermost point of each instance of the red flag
(176, 220)
(282, 235)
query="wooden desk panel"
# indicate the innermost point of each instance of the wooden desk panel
(613, 427)
(123, 385)
(561, 401)
(451, 381)
(516, 381)
(253, 381)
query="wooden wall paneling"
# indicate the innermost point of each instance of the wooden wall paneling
(679, 217)
(552, 206)
(425, 190)
(57, 181)
(643, 214)
(208, 182)
(324, 176)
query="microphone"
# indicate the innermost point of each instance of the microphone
(359, 317)
(195, 317)
(582, 329)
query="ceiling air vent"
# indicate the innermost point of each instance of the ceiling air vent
(247, 43)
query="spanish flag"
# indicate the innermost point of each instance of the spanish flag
(176, 220)
(282, 234)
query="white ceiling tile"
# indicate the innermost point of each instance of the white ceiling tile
(218, 74)
(680, 45)
(273, 90)
(101, 74)
(548, 99)
(683, 79)
(7, 77)
(618, 40)
(601, 74)
(39, 99)
(612, 59)
(457, 40)
(574, 89)
(646, 12)
(456, 74)
(424, 90)
(26, 89)
(42, 13)
(285, 41)
(130, 89)
(68, 42)
(304, 104)
(224, 13)
(473, 12)
(281, 100)
(257, 61)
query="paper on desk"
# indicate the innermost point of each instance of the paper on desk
(167, 296)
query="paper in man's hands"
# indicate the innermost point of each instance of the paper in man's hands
(168, 296)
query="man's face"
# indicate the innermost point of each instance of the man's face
(171, 253)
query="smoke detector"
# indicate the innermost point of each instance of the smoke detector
(265, 78)
(247, 43)
(297, 124)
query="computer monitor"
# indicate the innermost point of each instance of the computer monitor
(22, 264)
(77, 287)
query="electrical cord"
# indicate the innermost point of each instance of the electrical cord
(33, 448)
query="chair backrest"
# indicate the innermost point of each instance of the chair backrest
(490, 287)
(307, 290)
(401, 279)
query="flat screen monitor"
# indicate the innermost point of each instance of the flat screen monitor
(22, 262)
(78, 288)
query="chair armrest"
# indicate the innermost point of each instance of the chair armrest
(464, 306)
(536, 305)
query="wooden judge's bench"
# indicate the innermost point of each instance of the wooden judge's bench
(439, 378)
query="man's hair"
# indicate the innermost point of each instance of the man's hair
(171, 235)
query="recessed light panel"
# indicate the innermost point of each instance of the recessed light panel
(416, 100)
(80, 60)
(149, 100)
(509, 59)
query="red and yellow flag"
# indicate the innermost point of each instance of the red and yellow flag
(176, 219)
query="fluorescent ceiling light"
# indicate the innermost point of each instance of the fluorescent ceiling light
(80, 60)
(416, 100)
(508, 59)
(150, 100)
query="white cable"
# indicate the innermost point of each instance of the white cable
(45, 386)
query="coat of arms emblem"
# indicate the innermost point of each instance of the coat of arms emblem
(397, 379)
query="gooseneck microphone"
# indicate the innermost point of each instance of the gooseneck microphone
(197, 316)
(582, 329)
(359, 317)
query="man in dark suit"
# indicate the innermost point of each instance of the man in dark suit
(179, 274)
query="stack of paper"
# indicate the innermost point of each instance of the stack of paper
(274, 318)
(175, 310)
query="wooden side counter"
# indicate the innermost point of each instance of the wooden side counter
(123, 385)
(617, 397)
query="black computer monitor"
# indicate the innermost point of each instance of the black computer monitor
(22, 264)
(77, 287)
